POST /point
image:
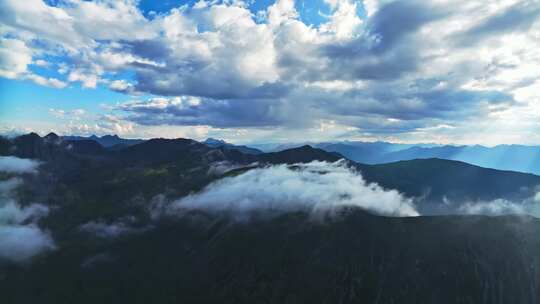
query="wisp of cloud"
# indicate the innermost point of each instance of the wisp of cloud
(20, 236)
(530, 206)
(12, 164)
(312, 187)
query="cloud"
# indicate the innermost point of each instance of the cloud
(192, 111)
(11, 164)
(402, 60)
(517, 18)
(21, 242)
(71, 114)
(112, 230)
(314, 187)
(222, 167)
(530, 206)
(20, 236)
(15, 57)
(495, 207)
(395, 21)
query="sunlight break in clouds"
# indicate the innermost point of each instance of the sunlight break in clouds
(312, 187)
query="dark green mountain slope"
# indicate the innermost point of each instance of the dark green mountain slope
(355, 258)
(436, 179)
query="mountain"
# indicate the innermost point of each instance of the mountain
(276, 147)
(216, 143)
(446, 185)
(117, 240)
(352, 258)
(83, 173)
(503, 157)
(50, 147)
(107, 141)
(363, 152)
(179, 166)
(303, 154)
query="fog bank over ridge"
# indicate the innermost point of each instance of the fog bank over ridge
(313, 187)
(325, 187)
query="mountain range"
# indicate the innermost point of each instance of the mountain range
(121, 234)
(503, 157)
(107, 141)
(431, 181)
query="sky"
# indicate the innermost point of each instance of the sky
(440, 71)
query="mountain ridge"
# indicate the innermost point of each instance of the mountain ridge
(430, 181)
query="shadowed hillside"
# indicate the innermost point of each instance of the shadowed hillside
(122, 231)
(354, 258)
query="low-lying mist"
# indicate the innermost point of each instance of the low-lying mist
(530, 206)
(312, 187)
(20, 236)
(12, 164)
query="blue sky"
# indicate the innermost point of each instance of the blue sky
(258, 71)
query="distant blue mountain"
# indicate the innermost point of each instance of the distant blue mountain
(107, 141)
(503, 157)
(217, 143)
(363, 152)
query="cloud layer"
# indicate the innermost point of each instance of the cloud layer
(496, 207)
(11, 164)
(314, 187)
(20, 236)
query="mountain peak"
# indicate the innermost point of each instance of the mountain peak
(52, 136)
(304, 148)
(214, 141)
(114, 136)
(303, 154)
